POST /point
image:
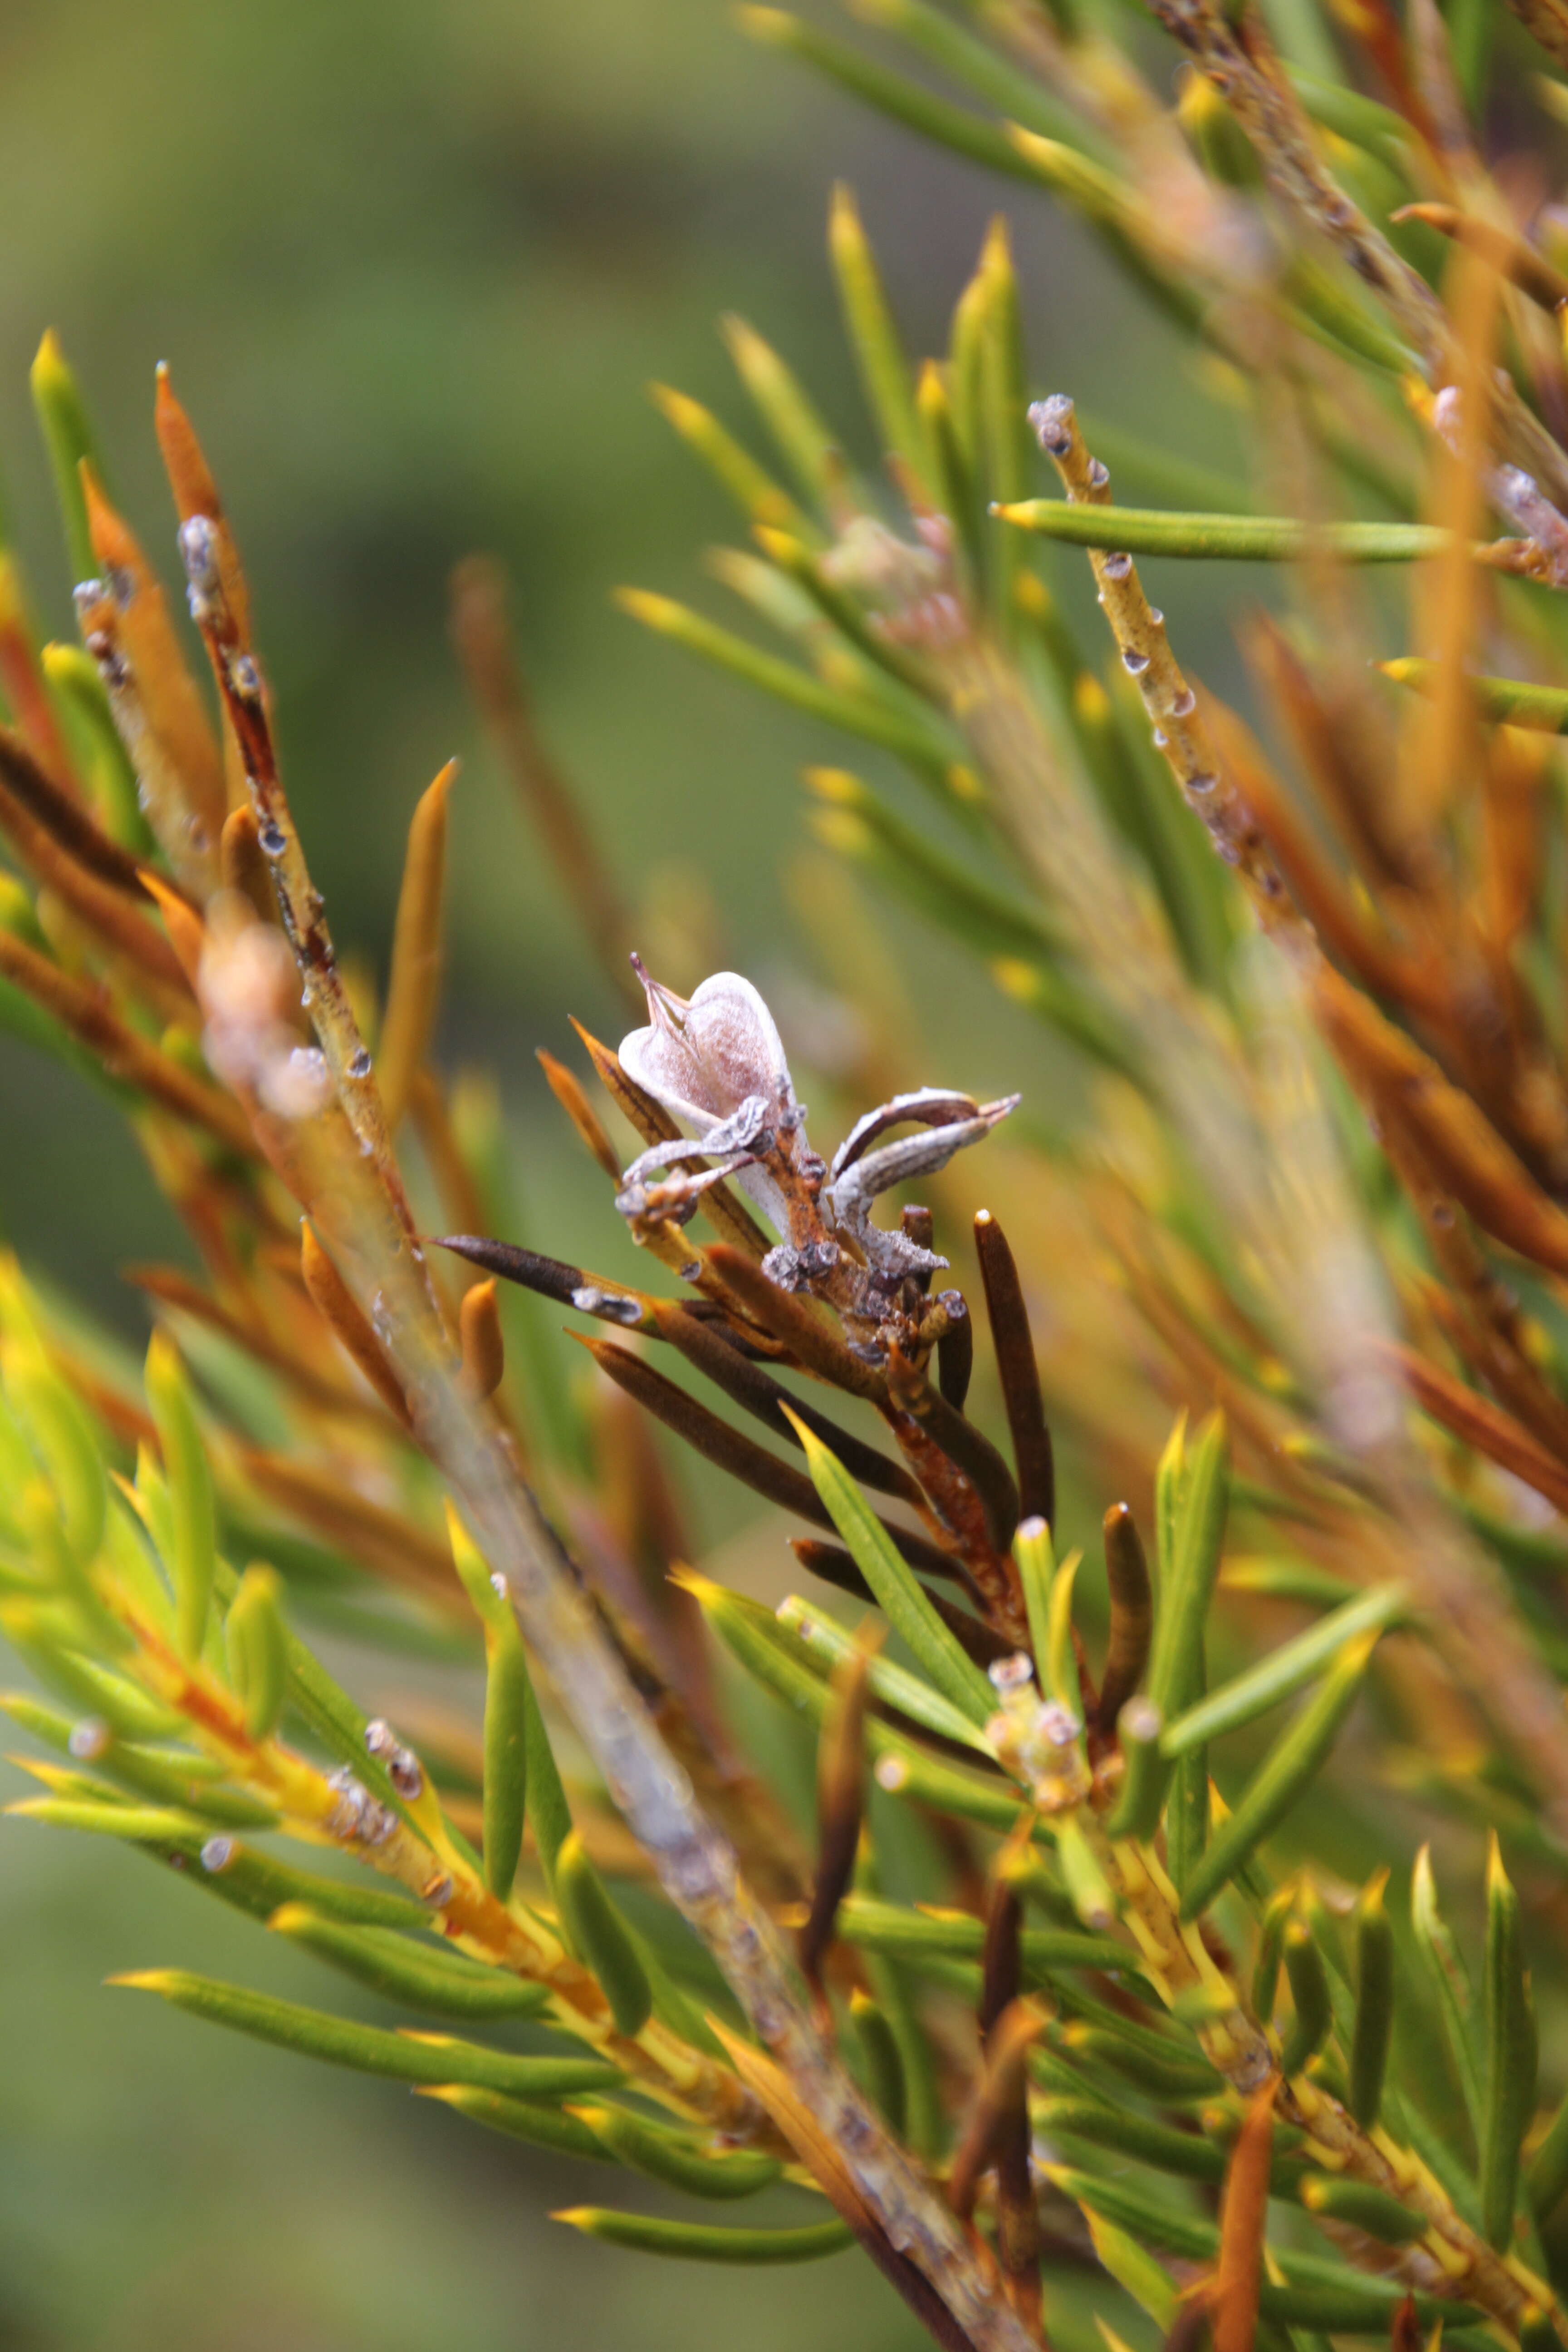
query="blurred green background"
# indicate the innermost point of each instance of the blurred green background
(411, 267)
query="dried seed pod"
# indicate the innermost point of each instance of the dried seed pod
(65, 820)
(810, 1338)
(1008, 2030)
(552, 1277)
(704, 1058)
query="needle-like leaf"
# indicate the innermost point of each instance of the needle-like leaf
(1289, 1768)
(704, 2242)
(410, 2058)
(899, 1593)
(1510, 2018)
(1241, 538)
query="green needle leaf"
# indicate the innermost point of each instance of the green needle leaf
(1270, 1942)
(418, 1976)
(884, 2065)
(194, 1559)
(891, 93)
(905, 1691)
(256, 1641)
(993, 77)
(1239, 538)
(509, 1697)
(1313, 2020)
(804, 441)
(1372, 2209)
(1037, 1559)
(1190, 1503)
(1374, 2003)
(903, 1934)
(676, 2158)
(1510, 701)
(1137, 2273)
(1510, 2055)
(509, 1709)
(1146, 2218)
(859, 823)
(1155, 2069)
(411, 2058)
(93, 1688)
(885, 371)
(703, 2241)
(1449, 1981)
(68, 438)
(874, 722)
(1546, 2176)
(600, 1939)
(899, 1591)
(1185, 2154)
(1286, 1772)
(73, 680)
(754, 490)
(523, 2119)
(754, 1636)
(1285, 1670)
(1197, 1540)
(256, 1881)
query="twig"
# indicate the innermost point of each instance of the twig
(385, 1268)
